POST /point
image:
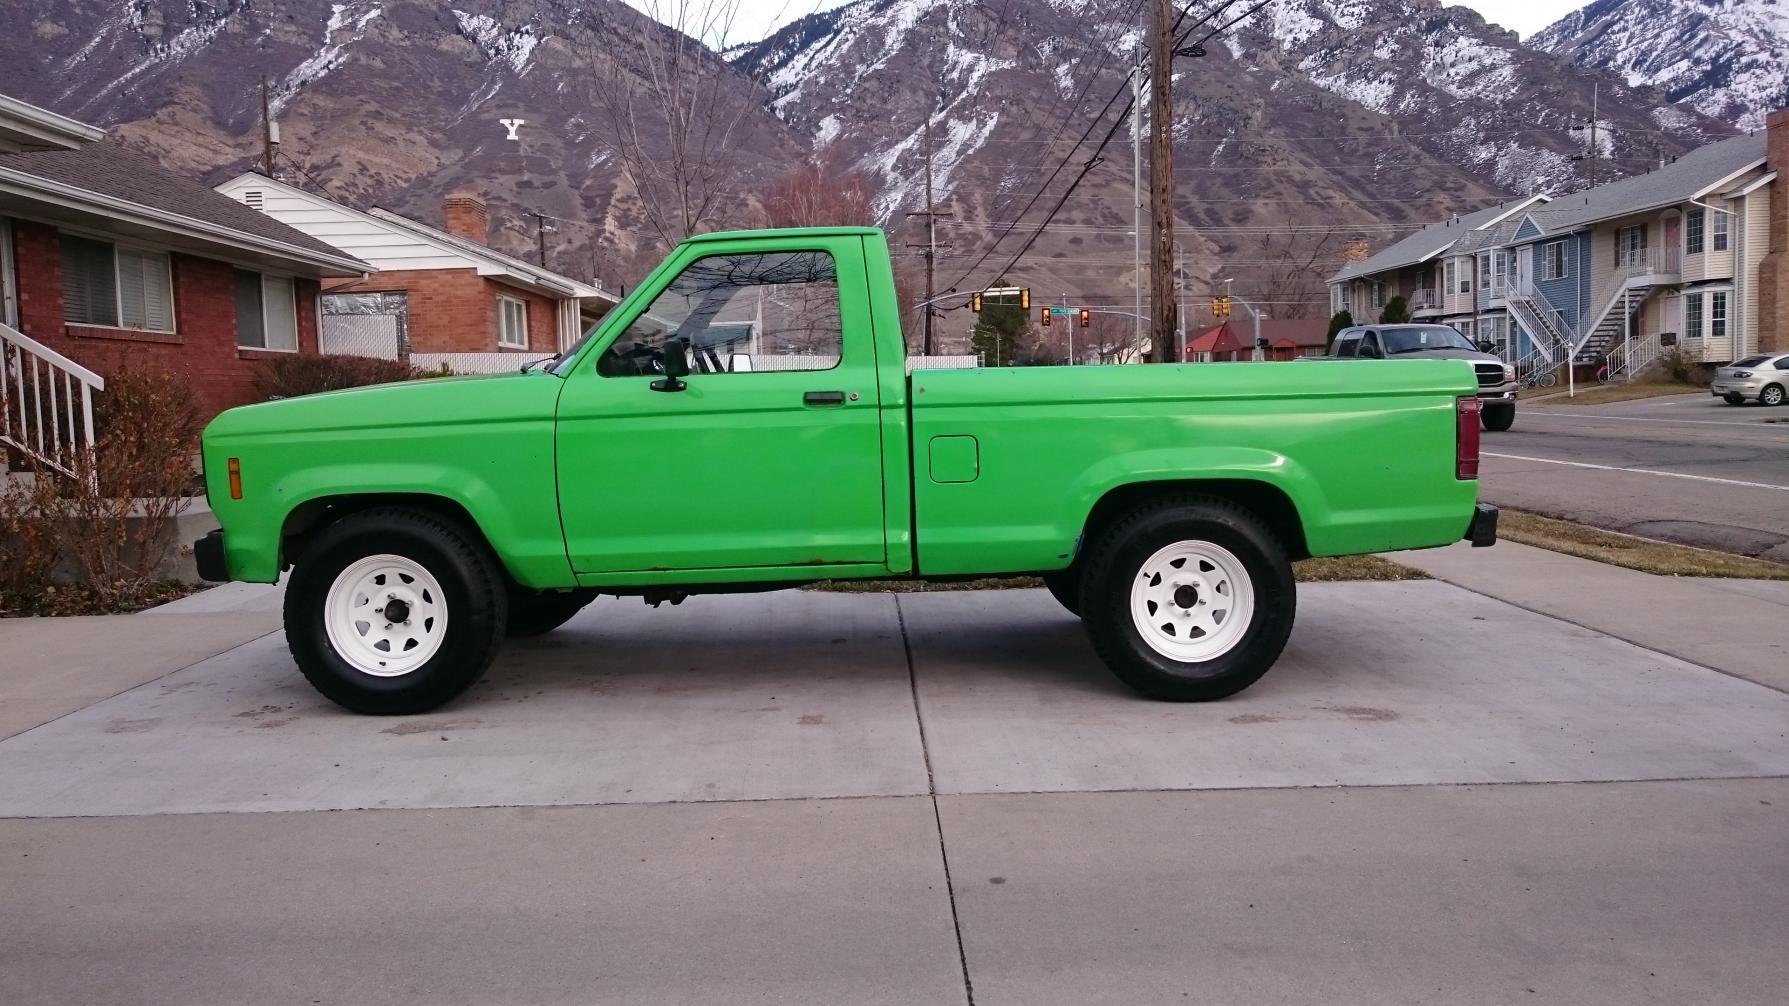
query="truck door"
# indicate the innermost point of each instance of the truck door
(769, 454)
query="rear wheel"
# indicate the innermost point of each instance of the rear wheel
(1188, 599)
(1771, 395)
(1734, 399)
(1498, 418)
(536, 612)
(394, 611)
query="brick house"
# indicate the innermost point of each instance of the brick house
(445, 291)
(109, 260)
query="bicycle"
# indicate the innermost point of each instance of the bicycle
(1539, 377)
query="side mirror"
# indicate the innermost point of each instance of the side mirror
(1486, 345)
(676, 364)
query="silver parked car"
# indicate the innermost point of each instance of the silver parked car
(1763, 378)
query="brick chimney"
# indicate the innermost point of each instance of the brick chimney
(1773, 272)
(467, 216)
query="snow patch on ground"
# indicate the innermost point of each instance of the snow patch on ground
(512, 46)
(827, 131)
(347, 22)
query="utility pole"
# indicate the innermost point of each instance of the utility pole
(931, 246)
(267, 139)
(1137, 187)
(1592, 153)
(1161, 173)
(540, 235)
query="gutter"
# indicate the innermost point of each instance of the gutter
(73, 197)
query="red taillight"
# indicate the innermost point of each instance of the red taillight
(1466, 437)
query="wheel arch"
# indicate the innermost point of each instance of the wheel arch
(1268, 501)
(303, 521)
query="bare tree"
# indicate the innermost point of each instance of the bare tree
(1293, 272)
(821, 192)
(672, 111)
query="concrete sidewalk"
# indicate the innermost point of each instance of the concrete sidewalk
(1739, 627)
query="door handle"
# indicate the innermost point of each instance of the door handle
(827, 399)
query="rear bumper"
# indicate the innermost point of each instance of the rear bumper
(1482, 532)
(208, 555)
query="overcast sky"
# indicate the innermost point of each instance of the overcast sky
(758, 17)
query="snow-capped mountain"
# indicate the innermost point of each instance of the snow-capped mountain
(1310, 123)
(1726, 58)
(1355, 115)
(394, 102)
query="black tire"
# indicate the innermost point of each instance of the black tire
(1116, 559)
(538, 612)
(1734, 399)
(1771, 395)
(1498, 418)
(1065, 586)
(474, 595)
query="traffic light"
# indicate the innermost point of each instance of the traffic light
(1226, 305)
(975, 302)
(1024, 298)
(1217, 306)
(1043, 316)
(1086, 317)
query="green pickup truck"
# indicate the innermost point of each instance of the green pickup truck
(745, 420)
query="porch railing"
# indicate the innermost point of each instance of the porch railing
(46, 402)
(1425, 300)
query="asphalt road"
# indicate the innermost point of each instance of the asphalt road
(1688, 469)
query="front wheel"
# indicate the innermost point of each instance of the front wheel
(1498, 418)
(394, 611)
(1188, 599)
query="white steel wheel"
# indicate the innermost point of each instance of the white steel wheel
(1192, 601)
(385, 615)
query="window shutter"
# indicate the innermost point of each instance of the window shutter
(89, 285)
(143, 290)
(281, 308)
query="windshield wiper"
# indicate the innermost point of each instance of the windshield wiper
(549, 361)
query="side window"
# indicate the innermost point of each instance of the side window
(1369, 347)
(756, 312)
(1346, 344)
(1783, 363)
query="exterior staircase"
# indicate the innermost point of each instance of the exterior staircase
(46, 403)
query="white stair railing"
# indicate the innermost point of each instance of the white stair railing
(46, 402)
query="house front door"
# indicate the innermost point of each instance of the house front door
(1525, 268)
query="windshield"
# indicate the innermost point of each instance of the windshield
(1417, 340)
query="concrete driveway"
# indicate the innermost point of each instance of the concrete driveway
(809, 797)
(1683, 468)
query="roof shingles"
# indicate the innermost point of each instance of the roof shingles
(108, 170)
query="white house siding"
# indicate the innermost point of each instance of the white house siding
(367, 238)
(1754, 223)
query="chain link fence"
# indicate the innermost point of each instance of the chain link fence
(366, 324)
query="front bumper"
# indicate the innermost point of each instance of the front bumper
(208, 555)
(1482, 532)
(1503, 393)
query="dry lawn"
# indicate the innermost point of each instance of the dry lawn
(1643, 554)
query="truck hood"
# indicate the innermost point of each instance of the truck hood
(1449, 354)
(442, 401)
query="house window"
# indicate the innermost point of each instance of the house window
(1484, 272)
(1717, 316)
(1378, 294)
(1721, 223)
(512, 323)
(1553, 261)
(1692, 316)
(104, 284)
(1630, 245)
(1465, 275)
(1450, 273)
(1692, 231)
(1465, 328)
(266, 312)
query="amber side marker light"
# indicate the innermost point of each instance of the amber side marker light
(235, 467)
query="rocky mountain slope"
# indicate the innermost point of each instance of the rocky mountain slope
(1726, 58)
(1307, 125)
(1310, 120)
(393, 102)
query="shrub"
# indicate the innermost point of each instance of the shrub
(1397, 311)
(291, 376)
(1677, 366)
(1339, 321)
